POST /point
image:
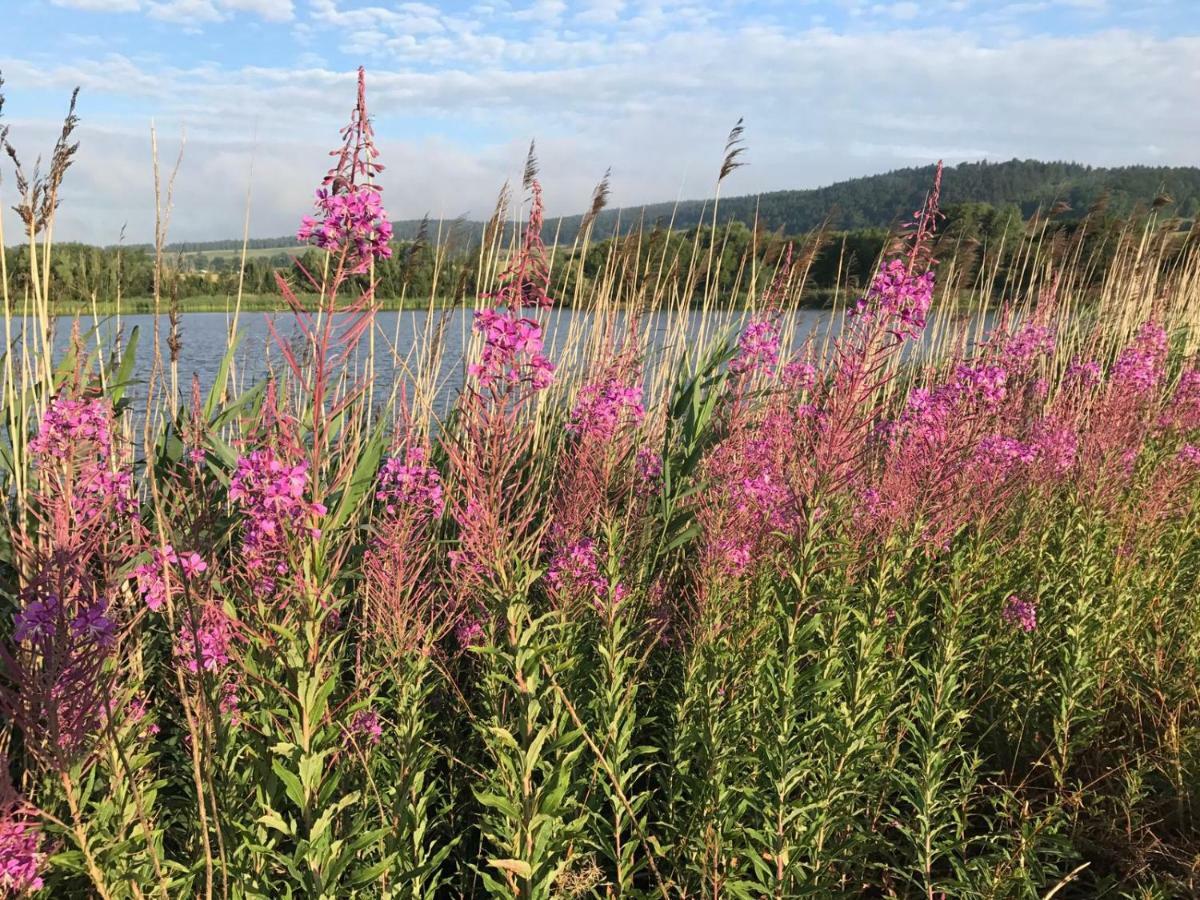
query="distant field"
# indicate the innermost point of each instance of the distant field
(250, 303)
(252, 253)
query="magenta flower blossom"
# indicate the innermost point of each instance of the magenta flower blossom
(270, 494)
(985, 383)
(212, 637)
(800, 375)
(512, 351)
(576, 567)
(649, 467)
(1139, 368)
(603, 407)
(409, 484)
(68, 423)
(192, 564)
(1032, 341)
(366, 725)
(20, 857)
(758, 348)
(354, 221)
(38, 622)
(1020, 613)
(92, 625)
(1190, 453)
(898, 296)
(1085, 373)
(150, 581)
(468, 633)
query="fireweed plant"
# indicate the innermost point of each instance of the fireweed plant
(901, 608)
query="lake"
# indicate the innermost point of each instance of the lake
(205, 338)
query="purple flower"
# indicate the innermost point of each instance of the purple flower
(38, 622)
(92, 626)
(1083, 372)
(1139, 368)
(151, 583)
(1020, 613)
(512, 350)
(758, 348)
(601, 408)
(649, 466)
(354, 221)
(468, 633)
(899, 296)
(410, 484)
(192, 564)
(366, 725)
(212, 637)
(20, 858)
(271, 495)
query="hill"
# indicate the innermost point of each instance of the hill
(873, 201)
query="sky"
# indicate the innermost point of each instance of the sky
(254, 92)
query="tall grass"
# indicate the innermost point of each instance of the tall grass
(685, 605)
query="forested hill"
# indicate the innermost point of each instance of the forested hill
(874, 201)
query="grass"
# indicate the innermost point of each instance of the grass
(725, 618)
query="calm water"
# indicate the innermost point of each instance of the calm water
(205, 338)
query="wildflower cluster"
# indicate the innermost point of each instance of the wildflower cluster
(408, 483)
(758, 348)
(271, 494)
(353, 221)
(603, 407)
(1020, 613)
(512, 351)
(20, 856)
(899, 297)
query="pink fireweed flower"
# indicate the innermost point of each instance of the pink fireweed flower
(800, 375)
(1183, 411)
(270, 494)
(354, 221)
(1020, 613)
(69, 422)
(93, 626)
(986, 384)
(74, 447)
(409, 484)
(758, 348)
(1139, 367)
(898, 296)
(649, 466)
(468, 633)
(512, 350)
(603, 407)
(1084, 372)
(1056, 446)
(192, 564)
(150, 581)
(20, 856)
(575, 571)
(1031, 341)
(38, 622)
(365, 724)
(206, 646)
(576, 566)
(1190, 453)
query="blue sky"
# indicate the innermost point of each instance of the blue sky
(829, 89)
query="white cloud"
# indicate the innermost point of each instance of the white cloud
(189, 13)
(115, 6)
(654, 104)
(270, 10)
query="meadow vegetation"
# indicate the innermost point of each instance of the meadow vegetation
(903, 609)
